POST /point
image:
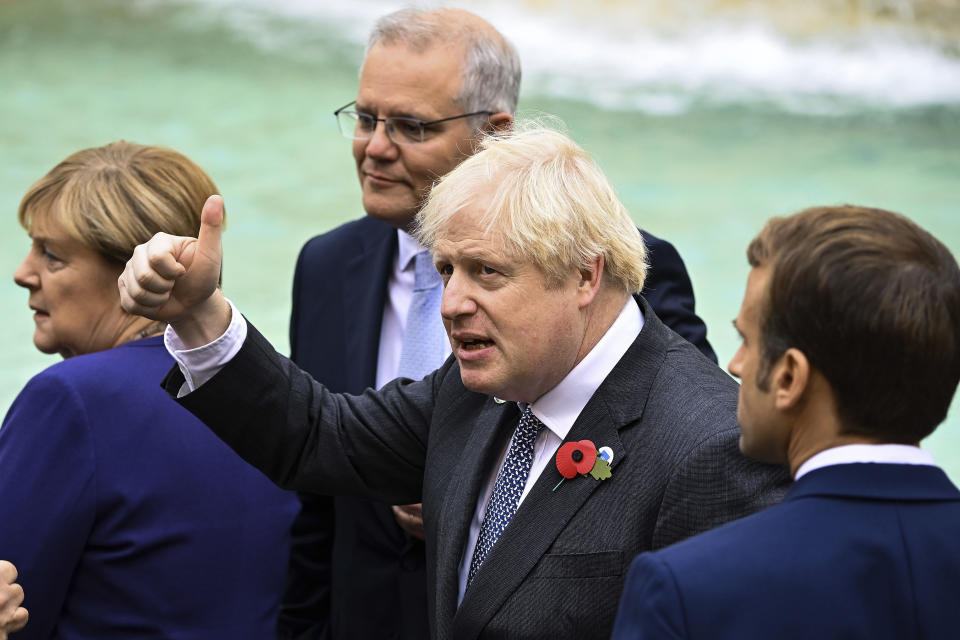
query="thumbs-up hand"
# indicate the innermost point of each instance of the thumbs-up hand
(174, 279)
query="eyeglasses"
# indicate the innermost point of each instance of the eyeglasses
(360, 126)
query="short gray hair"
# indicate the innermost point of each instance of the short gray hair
(491, 66)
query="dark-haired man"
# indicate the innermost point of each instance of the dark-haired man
(850, 357)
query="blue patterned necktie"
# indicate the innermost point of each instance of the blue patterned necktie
(424, 337)
(507, 489)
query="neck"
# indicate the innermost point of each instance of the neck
(601, 315)
(141, 330)
(818, 426)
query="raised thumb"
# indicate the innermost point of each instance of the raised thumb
(211, 225)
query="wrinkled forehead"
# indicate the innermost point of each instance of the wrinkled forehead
(398, 78)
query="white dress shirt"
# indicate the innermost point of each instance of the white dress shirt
(395, 308)
(882, 453)
(558, 409)
(200, 364)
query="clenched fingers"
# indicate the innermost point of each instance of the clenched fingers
(152, 272)
(13, 617)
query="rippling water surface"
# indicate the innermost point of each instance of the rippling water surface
(708, 116)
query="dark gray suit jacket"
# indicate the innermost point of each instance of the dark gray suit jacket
(668, 413)
(347, 552)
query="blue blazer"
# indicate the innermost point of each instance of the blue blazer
(338, 292)
(866, 551)
(126, 517)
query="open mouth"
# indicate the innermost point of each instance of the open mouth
(475, 345)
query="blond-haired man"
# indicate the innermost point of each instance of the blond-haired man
(431, 83)
(559, 370)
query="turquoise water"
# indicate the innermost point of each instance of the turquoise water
(701, 155)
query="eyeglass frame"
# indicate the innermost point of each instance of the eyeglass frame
(420, 123)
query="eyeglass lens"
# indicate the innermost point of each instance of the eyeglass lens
(361, 126)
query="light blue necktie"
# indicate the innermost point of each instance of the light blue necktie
(424, 337)
(507, 489)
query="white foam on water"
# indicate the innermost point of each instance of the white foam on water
(605, 59)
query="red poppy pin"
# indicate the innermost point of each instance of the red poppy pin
(583, 458)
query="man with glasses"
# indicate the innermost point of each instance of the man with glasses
(431, 83)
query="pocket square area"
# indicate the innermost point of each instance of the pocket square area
(580, 565)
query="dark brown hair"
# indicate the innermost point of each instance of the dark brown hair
(873, 301)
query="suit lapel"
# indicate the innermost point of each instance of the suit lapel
(364, 291)
(487, 438)
(538, 521)
(544, 513)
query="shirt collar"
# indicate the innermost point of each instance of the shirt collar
(882, 453)
(408, 248)
(560, 407)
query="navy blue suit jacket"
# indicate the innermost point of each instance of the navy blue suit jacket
(359, 575)
(126, 517)
(854, 551)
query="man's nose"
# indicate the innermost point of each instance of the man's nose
(734, 366)
(457, 299)
(379, 144)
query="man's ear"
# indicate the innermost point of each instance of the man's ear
(499, 122)
(790, 379)
(591, 279)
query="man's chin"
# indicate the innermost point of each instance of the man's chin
(399, 217)
(478, 383)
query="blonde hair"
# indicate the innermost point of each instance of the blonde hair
(550, 203)
(114, 197)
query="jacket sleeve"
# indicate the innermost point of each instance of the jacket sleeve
(47, 484)
(304, 437)
(650, 607)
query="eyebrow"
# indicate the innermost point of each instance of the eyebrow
(361, 108)
(486, 257)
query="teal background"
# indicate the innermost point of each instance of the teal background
(247, 91)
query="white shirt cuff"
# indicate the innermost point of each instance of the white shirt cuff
(200, 364)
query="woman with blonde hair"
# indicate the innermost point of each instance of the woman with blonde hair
(125, 516)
